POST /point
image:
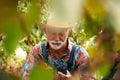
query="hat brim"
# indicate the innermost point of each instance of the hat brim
(42, 25)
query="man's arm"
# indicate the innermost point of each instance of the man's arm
(31, 61)
(82, 67)
(83, 64)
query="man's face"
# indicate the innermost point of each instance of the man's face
(56, 37)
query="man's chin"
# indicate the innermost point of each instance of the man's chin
(55, 47)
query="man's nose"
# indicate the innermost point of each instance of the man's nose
(57, 38)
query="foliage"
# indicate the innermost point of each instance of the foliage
(95, 32)
(40, 71)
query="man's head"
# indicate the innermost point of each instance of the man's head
(57, 38)
(57, 31)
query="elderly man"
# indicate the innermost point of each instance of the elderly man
(57, 46)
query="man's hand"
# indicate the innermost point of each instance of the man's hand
(62, 76)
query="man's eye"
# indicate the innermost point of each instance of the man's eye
(53, 33)
(61, 34)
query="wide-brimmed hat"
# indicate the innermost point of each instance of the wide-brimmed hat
(55, 21)
(62, 15)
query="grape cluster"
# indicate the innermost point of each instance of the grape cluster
(61, 65)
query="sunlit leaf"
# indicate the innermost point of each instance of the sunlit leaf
(13, 34)
(41, 73)
(95, 7)
(32, 16)
(117, 42)
(104, 69)
(7, 11)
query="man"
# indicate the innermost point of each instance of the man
(56, 46)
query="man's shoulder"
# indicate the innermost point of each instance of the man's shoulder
(77, 47)
(37, 49)
(79, 50)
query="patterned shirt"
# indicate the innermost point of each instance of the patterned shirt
(81, 58)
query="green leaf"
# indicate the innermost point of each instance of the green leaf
(104, 69)
(32, 16)
(41, 73)
(13, 34)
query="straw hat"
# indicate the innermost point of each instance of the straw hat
(57, 21)
(62, 15)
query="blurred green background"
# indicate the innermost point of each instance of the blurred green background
(97, 31)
